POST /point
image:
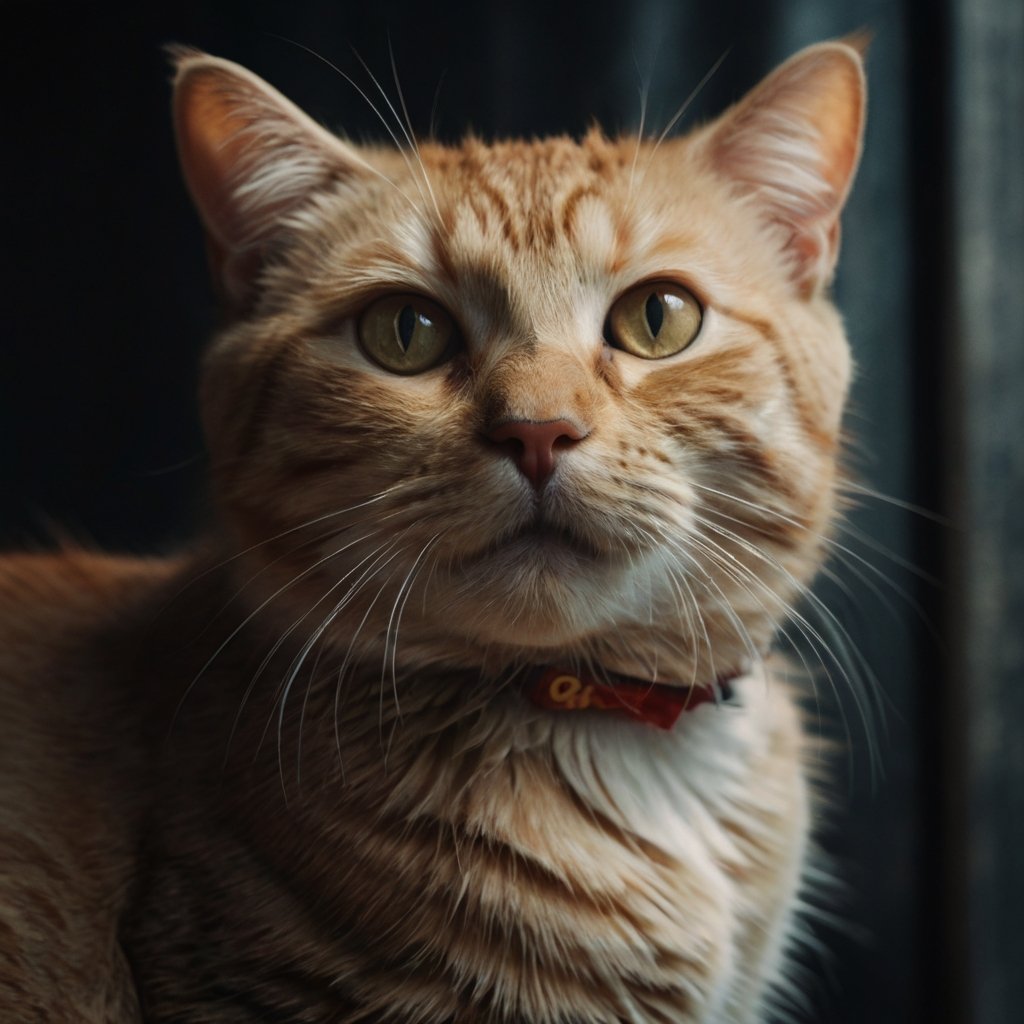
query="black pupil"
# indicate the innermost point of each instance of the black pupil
(406, 326)
(655, 315)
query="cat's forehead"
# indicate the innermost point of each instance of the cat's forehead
(530, 232)
(530, 197)
(533, 169)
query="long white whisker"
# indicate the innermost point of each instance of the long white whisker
(302, 717)
(345, 664)
(355, 85)
(379, 496)
(741, 631)
(839, 634)
(315, 636)
(736, 571)
(696, 91)
(826, 540)
(372, 557)
(644, 96)
(881, 549)
(848, 486)
(406, 134)
(410, 134)
(674, 120)
(277, 593)
(678, 581)
(395, 620)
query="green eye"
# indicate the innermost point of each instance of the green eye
(654, 320)
(406, 333)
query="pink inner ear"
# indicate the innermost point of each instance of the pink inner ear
(250, 157)
(838, 118)
(794, 143)
(209, 143)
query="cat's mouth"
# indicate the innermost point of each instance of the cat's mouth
(542, 540)
(544, 536)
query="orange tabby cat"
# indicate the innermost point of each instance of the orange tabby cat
(463, 711)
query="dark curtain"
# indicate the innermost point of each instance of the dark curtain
(108, 306)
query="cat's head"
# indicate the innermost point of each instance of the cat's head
(528, 401)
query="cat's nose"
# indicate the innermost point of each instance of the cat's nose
(534, 444)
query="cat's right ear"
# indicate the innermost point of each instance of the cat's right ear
(251, 158)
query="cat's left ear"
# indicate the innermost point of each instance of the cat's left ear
(792, 145)
(251, 159)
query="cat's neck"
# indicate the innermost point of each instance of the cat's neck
(373, 815)
(249, 675)
(245, 712)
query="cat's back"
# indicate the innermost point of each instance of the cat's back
(73, 776)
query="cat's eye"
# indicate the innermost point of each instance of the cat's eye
(406, 333)
(654, 320)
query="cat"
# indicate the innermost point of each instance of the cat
(464, 710)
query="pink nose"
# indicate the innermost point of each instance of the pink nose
(533, 445)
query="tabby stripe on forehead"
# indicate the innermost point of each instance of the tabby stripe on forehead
(443, 261)
(540, 227)
(500, 204)
(570, 203)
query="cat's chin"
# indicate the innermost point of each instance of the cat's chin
(531, 595)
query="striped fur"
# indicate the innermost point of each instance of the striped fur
(290, 775)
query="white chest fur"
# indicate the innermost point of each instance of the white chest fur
(650, 876)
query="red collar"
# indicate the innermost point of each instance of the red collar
(658, 704)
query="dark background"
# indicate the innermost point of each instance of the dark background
(107, 307)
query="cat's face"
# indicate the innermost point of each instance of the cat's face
(529, 401)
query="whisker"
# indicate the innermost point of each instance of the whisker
(344, 668)
(674, 120)
(849, 561)
(828, 541)
(406, 133)
(379, 496)
(387, 546)
(815, 642)
(829, 622)
(302, 717)
(879, 548)
(355, 85)
(310, 642)
(410, 134)
(741, 631)
(395, 620)
(678, 581)
(848, 486)
(231, 636)
(645, 91)
(737, 574)
(434, 105)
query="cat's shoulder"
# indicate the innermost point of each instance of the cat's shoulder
(72, 572)
(67, 592)
(70, 625)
